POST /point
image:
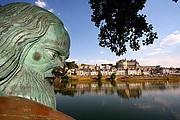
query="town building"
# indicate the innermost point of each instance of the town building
(127, 64)
(124, 68)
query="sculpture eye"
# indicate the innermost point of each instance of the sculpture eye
(53, 54)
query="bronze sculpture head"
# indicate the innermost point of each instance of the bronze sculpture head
(33, 43)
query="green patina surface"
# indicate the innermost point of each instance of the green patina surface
(33, 43)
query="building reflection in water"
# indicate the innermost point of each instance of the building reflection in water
(123, 90)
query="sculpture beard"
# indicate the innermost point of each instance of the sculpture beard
(31, 85)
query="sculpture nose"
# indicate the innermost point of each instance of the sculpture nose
(58, 71)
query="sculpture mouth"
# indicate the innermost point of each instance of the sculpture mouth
(50, 79)
(58, 72)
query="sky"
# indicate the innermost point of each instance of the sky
(164, 15)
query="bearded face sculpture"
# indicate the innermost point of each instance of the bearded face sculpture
(33, 47)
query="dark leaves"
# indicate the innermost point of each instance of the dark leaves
(175, 0)
(121, 25)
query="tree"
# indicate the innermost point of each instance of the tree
(99, 75)
(175, 0)
(99, 78)
(121, 24)
(113, 76)
(71, 65)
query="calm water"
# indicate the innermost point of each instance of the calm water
(127, 101)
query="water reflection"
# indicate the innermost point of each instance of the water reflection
(125, 101)
(123, 90)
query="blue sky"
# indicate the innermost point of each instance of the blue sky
(76, 16)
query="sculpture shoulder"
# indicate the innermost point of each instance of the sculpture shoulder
(30, 110)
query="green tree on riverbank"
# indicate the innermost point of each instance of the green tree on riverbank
(99, 78)
(113, 76)
(99, 75)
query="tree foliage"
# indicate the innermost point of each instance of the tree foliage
(175, 0)
(71, 65)
(121, 24)
(99, 75)
(113, 76)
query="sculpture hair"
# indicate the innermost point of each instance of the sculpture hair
(21, 25)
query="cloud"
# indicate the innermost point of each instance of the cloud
(102, 52)
(40, 3)
(51, 10)
(170, 61)
(72, 59)
(156, 52)
(175, 32)
(171, 39)
(167, 61)
(102, 61)
(148, 61)
(98, 61)
(145, 47)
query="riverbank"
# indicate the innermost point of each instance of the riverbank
(90, 79)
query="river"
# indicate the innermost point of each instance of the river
(120, 101)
